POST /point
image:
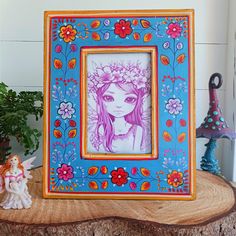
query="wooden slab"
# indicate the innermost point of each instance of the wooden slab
(215, 203)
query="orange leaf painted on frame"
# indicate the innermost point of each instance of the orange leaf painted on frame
(93, 185)
(96, 36)
(182, 137)
(57, 133)
(93, 170)
(104, 170)
(167, 137)
(145, 23)
(136, 36)
(104, 184)
(145, 186)
(147, 37)
(72, 133)
(72, 63)
(145, 172)
(180, 58)
(95, 24)
(165, 60)
(57, 64)
(135, 22)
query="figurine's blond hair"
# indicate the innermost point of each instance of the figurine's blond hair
(7, 166)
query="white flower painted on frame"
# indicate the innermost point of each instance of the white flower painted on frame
(66, 110)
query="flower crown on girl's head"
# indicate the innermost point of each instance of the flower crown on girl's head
(120, 73)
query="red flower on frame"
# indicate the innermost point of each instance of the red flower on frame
(175, 178)
(119, 176)
(123, 28)
(174, 30)
(65, 172)
(67, 33)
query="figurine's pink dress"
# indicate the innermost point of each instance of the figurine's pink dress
(14, 200)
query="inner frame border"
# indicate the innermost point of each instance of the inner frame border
(153, 51)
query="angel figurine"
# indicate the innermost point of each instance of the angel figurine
(119, 114)
(14, 176)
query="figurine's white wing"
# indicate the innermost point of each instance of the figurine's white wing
(27, 164)
(1, 181)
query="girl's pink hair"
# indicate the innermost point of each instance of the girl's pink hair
(105, 119)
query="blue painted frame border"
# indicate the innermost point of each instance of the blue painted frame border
(172, 175)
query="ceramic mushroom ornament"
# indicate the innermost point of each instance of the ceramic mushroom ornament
(213, 127)
(14, 176)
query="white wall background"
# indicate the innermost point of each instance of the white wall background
(229, 150)
(21, 44)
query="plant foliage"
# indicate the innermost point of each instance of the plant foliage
(14, 113)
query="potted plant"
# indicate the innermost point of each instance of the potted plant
(15, 110)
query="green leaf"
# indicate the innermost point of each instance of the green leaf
(14, 113)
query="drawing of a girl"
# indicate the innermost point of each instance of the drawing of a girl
(123, 114)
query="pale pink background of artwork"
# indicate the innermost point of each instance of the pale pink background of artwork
(127, 135)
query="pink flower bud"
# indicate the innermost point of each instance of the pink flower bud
(133, 185)
(169, 123)
(134, 171)
(58, 48)
(182, 122)
(73, 47)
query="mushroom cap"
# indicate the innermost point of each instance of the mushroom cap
(214, 125)
(216, 134)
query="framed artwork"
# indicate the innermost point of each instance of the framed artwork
(119, 117)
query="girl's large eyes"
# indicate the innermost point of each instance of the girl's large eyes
(131, 100)
(108, 98)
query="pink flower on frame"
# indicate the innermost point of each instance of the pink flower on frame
(174, 30)
(174, 106)
(65, 172)
(66, 110)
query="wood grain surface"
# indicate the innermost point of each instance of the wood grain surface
(215, 199)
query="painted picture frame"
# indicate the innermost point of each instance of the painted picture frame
(119, 115)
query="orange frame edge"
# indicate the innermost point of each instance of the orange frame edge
(192, 143)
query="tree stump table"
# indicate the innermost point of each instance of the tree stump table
(212, 213)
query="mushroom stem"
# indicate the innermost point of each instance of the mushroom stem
(209, 162)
